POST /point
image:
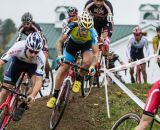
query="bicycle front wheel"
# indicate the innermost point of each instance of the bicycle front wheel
(60, 107)
(127, 122)
(47, 90)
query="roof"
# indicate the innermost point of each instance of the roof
(52, 34)
(121, 31)
(154, 6)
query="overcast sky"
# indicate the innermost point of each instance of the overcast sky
(125, 11)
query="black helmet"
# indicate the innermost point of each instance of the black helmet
(26, 17)
(72, 11)
(158, 29)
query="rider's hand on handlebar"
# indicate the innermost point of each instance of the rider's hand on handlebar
(92, 71)
(30, 100)
(59, 59)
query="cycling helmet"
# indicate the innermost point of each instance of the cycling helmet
(72, 11)
(27, 17)
(137, 31)
(158, 29)
(34, 41)
(85, 20)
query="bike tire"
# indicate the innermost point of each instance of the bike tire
(59, 109)
(86, 86)
(127, 122)
(46, 91)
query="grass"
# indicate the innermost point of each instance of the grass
(121, 104)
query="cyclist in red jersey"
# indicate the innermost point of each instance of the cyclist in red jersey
(28, 26)
(151, 106)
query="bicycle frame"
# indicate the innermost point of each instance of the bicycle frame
(8, 103)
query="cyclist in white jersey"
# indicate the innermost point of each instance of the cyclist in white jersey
(27, 56)
(135, 51)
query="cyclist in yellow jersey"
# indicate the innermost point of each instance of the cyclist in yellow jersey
(156, 41)
(81, 37)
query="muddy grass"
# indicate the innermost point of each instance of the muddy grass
(80, 114)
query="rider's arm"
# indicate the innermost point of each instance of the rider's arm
(60, 43)
(1, 63)
(41, 60)
(37, 86)
(13, 51)
(128, 50)
(147, 47)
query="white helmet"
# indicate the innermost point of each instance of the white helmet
(85, 20)
(34, 41)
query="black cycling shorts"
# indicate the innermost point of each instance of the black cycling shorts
(15, 69)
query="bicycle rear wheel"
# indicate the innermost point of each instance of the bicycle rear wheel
(45, 91)
(86, 85)
(127, 122)
(60, 107)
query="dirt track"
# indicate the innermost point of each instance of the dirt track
(81, 114)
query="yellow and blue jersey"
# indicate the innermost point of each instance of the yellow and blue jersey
(74, 34)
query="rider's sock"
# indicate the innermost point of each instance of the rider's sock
(56, 92)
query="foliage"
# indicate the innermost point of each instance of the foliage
(8, 27)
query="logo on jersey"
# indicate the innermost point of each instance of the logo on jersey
(99, 11)
(13, 52)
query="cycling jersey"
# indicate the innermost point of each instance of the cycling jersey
(153, 99)
(32, 28)
(76, 42)
(18, 51)
(135, 48)
(100, 16)
(156, 41)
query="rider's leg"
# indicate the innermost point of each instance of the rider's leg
(143, 68)
(132, 74)
(60, 75)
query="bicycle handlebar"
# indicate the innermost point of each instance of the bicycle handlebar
(76, 65)
(13, 91)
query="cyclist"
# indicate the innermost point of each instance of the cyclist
(111, 64)
(135, 51)
(28, 26)
(151, 106)
(102, 12)
(72, 17)
(156, 41)
(27, 56)
(81, 36)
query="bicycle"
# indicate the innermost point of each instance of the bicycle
(131, 120)
(87, 81)
(63, 96)
(99, 77)
(8, 107)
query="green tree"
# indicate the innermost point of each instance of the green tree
(8, 27)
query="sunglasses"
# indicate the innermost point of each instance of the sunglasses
(32, 51)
